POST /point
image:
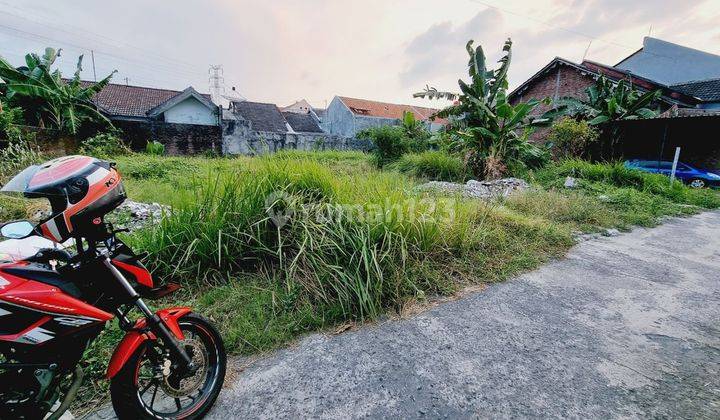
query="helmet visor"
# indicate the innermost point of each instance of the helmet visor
(20, 182)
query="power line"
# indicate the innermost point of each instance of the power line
(155, 65)
(114, 43)
(71, 50)
(150, 66)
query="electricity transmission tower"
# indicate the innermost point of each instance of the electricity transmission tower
(217, 83)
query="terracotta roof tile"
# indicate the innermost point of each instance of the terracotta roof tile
(132, 101)
(387, 110)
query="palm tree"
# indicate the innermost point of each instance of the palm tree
(46, 97)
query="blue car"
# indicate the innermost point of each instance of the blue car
(695, 178)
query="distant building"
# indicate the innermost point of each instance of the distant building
(137, 103)
(671, 64)
(186, 122)
(706, 91)
(562, 78)
(299, 107)
(303, 107)
(302, 123)
(254, 128)
(690, 108)
(347, 116)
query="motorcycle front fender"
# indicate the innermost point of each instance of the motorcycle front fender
(136, 337)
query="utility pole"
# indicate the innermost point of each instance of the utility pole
(92, 55)
(127, 81)
(217, 83)
(586, 51)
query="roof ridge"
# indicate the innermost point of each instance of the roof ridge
(260, 103)
(387, 103)
(141, 87)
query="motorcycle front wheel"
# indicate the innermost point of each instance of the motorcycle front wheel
(146, 387)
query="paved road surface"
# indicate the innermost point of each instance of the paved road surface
(624, 327)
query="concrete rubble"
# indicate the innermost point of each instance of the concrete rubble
(483, 190)
(135, 215)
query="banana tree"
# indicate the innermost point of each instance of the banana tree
(608, 102)
(488, 128)
(46, 97)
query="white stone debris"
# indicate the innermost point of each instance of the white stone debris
(483, 190)
(570, 182)
(134, 215)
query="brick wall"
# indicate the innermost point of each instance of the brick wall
(179, 139)
(571, 83)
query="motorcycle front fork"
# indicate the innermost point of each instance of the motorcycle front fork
(154, 322)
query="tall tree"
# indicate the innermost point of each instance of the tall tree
(48, 99)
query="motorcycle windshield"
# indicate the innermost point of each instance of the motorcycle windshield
(20, 182)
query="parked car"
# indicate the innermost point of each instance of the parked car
(694, 177)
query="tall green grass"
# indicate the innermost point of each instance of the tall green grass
(616, 174)
(434, 165)
(348, 245)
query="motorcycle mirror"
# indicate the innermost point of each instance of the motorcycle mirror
(17, 230)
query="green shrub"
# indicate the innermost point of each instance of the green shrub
(433, 165)
(104, 146)
(572, 137)
(582, 211)
(148, 166)
(155, 148)
(9, 120)
(618, 175)
(12, 208)
(16, 156)
(390, 143)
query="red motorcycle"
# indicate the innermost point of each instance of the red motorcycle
(170, 364)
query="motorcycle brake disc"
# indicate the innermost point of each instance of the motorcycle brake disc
(183, 387)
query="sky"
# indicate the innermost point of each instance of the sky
(279, 51)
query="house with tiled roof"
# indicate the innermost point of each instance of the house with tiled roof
(706, 92)
(347, 116)
(186, 122)
(139, 103)
(670, 64)
(658, 65)
(689, 108)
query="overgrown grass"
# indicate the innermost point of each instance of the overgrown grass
(359, 241)
(617, 175)
(346, 245)
(433, 165)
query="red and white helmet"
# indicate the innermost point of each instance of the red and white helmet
(81, 190)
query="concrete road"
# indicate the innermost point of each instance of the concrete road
(624, 327)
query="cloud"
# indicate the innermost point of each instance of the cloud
(440, 48)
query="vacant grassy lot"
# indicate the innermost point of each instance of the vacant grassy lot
(274, 247)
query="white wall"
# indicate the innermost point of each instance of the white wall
(191, 111)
